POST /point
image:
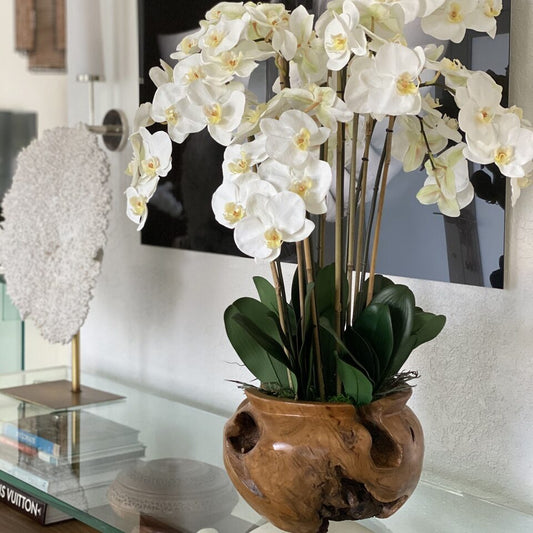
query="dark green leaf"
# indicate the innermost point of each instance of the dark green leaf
(375, 325)
(325, 291)
(268, 343)
(260, 363)
(427, 326)
(361, 354)
(356, 385)
(401, 303)
(400, 356)
(341, 347)
(266, 292)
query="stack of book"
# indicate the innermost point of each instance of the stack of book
(72, 455)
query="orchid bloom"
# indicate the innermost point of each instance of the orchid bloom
(344, 36)
(271, 221)
(409, 142)
(240, 159)
(454, 17)
(170, 105)
(293, 139)
(448, 184)
(229, 201)
(479, 103)
(156, 158)
(311, 182)
(136, 208)
(511, 149)
(222, 109)
(386, 83)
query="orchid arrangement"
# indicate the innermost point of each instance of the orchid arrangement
(346, 81)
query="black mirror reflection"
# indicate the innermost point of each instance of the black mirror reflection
(416, 241)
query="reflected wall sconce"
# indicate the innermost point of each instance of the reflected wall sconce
(85, 55)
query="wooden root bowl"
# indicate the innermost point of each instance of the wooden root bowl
(302, 464)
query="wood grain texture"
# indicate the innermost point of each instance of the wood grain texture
(25, 25)
(11, 520)
(302, 464)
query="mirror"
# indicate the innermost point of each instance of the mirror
(17, 130)
(416, 240)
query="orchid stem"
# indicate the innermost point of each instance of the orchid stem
(282, 315)
(339, 213)
(350, 254)
(314, 320)
(388, 142)
(361, 187)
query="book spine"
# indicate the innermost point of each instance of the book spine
(48, 458)
(22, 502)
(13, 432)
(24, 448)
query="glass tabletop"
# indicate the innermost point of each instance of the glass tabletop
(147, 460)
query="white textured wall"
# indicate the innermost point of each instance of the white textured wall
(157, 316)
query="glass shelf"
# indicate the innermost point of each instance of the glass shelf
(168, 455)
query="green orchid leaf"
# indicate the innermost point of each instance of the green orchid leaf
(401, 303)
(427, 326)
(325, 290)
(261, 364)
(356, 384)
(380, 282)
(266, 292)
(268, 343)
(375, 325)
(364, 354)
(267, 295)
(399, 357)
(341, 347)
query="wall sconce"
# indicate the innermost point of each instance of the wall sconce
(85, 55)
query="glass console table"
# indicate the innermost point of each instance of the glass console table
(146, 460)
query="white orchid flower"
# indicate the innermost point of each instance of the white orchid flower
(483, 18)
(511, 150)
(171, 105)
(161, 75)
(448, 184)
(240, 61)
(189, 44)
(142, 116)
(223, 35)
(136, 208)
(271, 221)
(344, 36)
(221, 109)
(409, 143)
(451, 20)
(294, 138)
(156, 154)
(190, 70)
(311, 182)
(479, 103)
(240, 159)
(385, 18)
(230, 199)
(387, 83)
(226, 10)
(266, 18)
(299, 44)
(321, 102)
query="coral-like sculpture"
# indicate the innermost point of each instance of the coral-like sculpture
(56, 216)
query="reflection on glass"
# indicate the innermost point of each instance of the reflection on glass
(17, 130)
(416, 241)
(176, 495)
